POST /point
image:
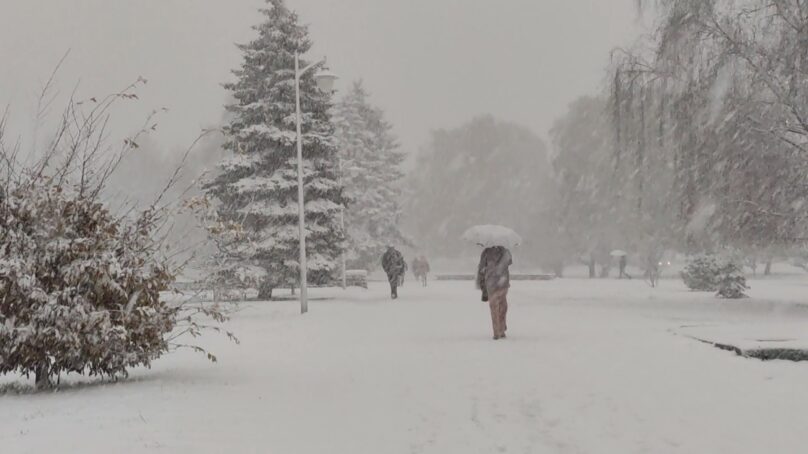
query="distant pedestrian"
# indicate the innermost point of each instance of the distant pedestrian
(493, 278)
(653, 262)
(652, 272)
(420, 268)
(623, 263)
(395, 267)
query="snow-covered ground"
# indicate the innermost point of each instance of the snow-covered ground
(588, 367)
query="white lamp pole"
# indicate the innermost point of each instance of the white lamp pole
(325, 81)
(342, 226)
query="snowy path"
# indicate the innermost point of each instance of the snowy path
(589, 367)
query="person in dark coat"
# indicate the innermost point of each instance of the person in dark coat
(420, 268)
(493, 278)
(395, 267)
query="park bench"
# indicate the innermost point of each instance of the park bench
(356, 278)
(514, 277)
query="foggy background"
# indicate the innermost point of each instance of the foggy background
(458, 80)
(428, 63)
(644, 162)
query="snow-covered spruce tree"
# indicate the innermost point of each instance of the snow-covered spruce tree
(370, 162)
(256, 187)
(702, 273)
(80, 287)
(731, 281)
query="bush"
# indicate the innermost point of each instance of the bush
(79, 291)
(80, 288)
(702, 273)
(731, 282)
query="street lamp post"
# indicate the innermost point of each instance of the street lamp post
(325, 82)
(342, 226)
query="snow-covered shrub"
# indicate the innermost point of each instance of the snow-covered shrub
(77, 291)
(708, 273)
(80, 287)
(731, 281)
(702, 273)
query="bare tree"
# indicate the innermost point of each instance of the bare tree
(83, 289)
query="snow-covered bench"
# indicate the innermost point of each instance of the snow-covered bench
(356, 278)
(514, 277)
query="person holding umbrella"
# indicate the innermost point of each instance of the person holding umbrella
(493, 275)
(622, 263)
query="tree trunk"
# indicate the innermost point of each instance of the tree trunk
(43, 378)
(592, 273)
(768, 270)
(640, 156)
(265, 292)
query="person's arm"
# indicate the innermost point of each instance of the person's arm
(481, 273)
(481, 278)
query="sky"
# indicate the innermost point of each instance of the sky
(428, 63)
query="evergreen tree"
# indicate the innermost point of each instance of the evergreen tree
(256, 188)
(371, 172)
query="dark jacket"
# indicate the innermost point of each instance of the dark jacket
(492, 273)
(393, 263)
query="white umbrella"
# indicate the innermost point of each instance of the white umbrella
(492, 235)
(618, 253)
